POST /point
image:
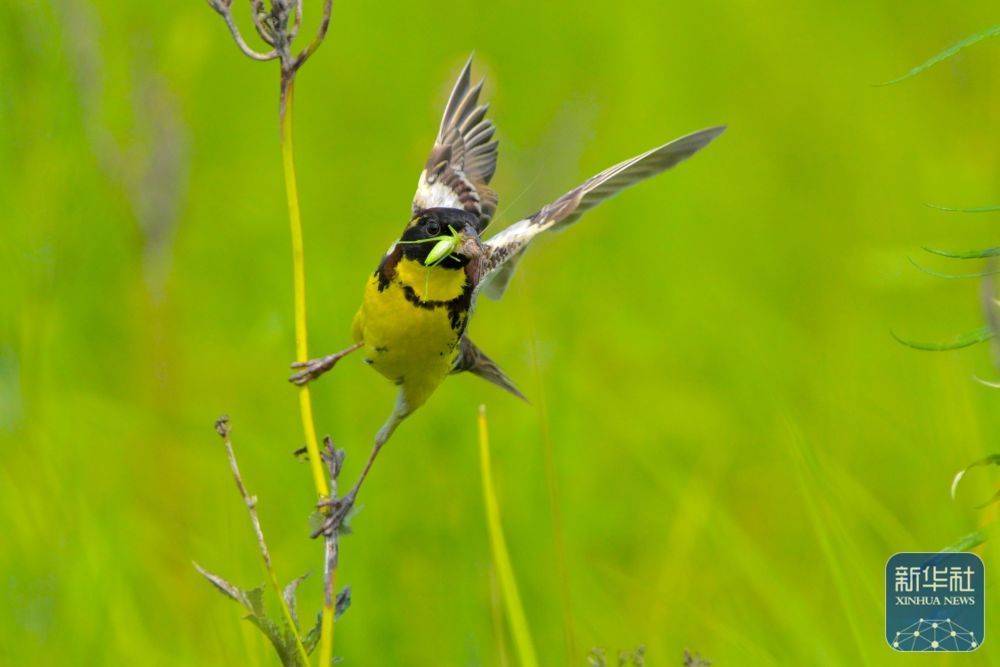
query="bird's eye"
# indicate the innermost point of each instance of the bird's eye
(433, 229)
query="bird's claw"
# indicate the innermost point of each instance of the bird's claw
(310, 370)
(336, 510)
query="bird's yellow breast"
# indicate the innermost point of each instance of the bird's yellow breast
(411, 325)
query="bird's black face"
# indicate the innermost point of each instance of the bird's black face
(437, 222)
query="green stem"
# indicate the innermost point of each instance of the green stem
(501, 558)
(302, 340)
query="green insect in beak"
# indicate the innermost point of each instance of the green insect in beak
(444, 247)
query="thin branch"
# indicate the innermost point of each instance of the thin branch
(334, 460)
(257, 11)
(222, 428)
(320, 35)
(244, 47)
(294, 30)
(222, 8)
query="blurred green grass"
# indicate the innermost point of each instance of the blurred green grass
(739, 442)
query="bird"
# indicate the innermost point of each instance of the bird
(416, 307)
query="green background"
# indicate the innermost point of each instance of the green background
(738, 444)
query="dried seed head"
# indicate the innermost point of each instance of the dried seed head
(222, 425)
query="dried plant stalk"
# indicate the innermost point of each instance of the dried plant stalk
(278, 26)
(222, 428)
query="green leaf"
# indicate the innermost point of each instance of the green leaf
(965, 340)
(289, 595)
(312, 637)
(224, 586)
(283, 643)
(970, 541)
(343, 602)
(978, 209)
(951, 276)
(255, 600)
(986, 383)
(947, 53)
(268, 627)
(281, 636)
(965, 254)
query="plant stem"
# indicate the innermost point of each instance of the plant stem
(302, 341)
(501, 559)
(496, 614)
(222, 427)
(299, 280)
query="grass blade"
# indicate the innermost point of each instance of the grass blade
(957, 209)
(501, 558)
(967, 542)
(496, 616)
(810, 478)
(958, 342)
(944, 55)
(952, 276)
(965, 254)
(992, 459)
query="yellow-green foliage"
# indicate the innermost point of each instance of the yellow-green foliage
(739, 442)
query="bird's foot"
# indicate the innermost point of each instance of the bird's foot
(335, 510)
(312, 369)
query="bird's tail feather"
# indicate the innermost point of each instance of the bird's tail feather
(475, 361)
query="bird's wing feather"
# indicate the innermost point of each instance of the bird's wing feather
(464, 156)
(504, 249)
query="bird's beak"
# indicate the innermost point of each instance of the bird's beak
(469, 245)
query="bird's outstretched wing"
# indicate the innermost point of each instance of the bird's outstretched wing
(507, 247)
(464, 156)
